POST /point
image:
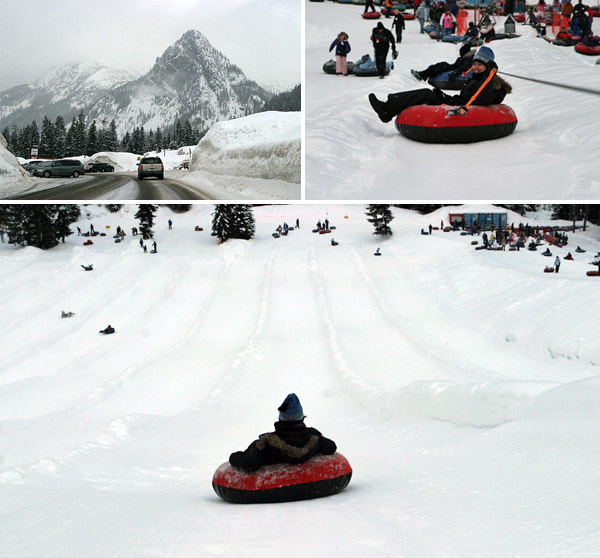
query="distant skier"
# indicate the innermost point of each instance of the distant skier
(292, 441)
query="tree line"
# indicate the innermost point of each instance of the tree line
(55, 140)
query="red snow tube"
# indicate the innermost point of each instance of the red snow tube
(519, 18)
(321, 475)
(589, 50)
(408, 16)
(548, 270)
(431, 124)
(592, 273)
(372, 15)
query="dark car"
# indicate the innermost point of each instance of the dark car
(151, 166)
(62, 167)
(100, 167)
(32, 165)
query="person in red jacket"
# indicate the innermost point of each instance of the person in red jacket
(292, 441)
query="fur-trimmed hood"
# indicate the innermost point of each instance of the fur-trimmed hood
(501, 84)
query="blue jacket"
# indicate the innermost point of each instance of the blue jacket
(342, 48)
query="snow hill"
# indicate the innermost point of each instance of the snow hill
(462, 386)
(351, 154)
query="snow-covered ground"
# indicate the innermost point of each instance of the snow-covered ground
(257, 157)
(351, 154)
(462, 386)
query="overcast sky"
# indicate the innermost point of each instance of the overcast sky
(262, 37)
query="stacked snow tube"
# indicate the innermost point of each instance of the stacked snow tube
(589, 50)
(322, 475)
(432, 124)
(408, 17)
(371, 15)
(442, 81)
(519, 18)
(329, 67)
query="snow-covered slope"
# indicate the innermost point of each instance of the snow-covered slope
(462, 386)
(12, 173)
(265, 145)
(351, 154)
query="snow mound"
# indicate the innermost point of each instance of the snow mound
(9, 164)
(120, 160)
(265, 145)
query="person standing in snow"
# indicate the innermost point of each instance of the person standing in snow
(382, 38)
(170, 224)
(342, 49)
(557, 264)
(421, 15)
(398, 23)
(154, 245)
(297, 223)
(292, 441)
(369, 4)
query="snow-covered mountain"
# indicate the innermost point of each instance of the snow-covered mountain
(190, 81)
(64, 91)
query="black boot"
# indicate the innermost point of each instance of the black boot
(380, 108)
(417, 75)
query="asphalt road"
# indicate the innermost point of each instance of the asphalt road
(106, 186)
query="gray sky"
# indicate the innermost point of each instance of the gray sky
(262, 37)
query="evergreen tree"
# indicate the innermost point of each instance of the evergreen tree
(14, 139)
(32, 225)
(233, 221)
(60, 137)
(188, 134)
(34, 137)
(142, 148)
(158, 139)
(65, 216)
(79, 136)
(92, 140)
(178, 139)
(380, 215)
(126, 143)
(150, 143)
(47, 139)
(179, 208)
(70, 139)
(145, 215)
(112, 139)
(114, 207)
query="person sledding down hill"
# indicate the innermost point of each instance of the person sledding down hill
(108, 329)
(462, 64)
(292, 441)
(483, 88)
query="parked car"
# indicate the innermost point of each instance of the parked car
(151, 166)
(62, 167)
(31, 166)
(100, 167)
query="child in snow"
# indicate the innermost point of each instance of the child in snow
(292, 441)
(342, 48)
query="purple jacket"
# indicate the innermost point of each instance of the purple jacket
(342, 48)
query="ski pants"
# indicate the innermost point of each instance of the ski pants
(397, 102)
(340, 65)
(380, 58)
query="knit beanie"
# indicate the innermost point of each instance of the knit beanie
(485, 55)
(291, 409)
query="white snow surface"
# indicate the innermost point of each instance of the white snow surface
(352, 155)
(264, 145)
(462, 386)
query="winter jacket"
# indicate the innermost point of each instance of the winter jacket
(342, 48)
(421, 12)
(399, 22)
(492, 94)
(382, 38)
(292, 442)
(447, 22)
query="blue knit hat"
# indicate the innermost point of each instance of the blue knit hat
(291, 409)
(485, 55)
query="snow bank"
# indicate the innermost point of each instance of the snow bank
(12, 174)
(264, 145)
(120, 160)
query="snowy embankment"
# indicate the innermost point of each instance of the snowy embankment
(266, 145)
(12, 173)
(351, 154)
(462, 386)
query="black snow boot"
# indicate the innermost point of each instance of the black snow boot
(380, 108)
(417, 75)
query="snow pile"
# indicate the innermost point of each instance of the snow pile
(351, 154)
(173, 158)
(11, 172)
(122, 161)
(265, 145)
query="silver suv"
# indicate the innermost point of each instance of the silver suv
(62, 167)
(151, 166)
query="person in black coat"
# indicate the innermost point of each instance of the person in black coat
(382, 38)
(292, 441)
(369, 4)
(484, 74)
(460, 65)
(399, 24)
